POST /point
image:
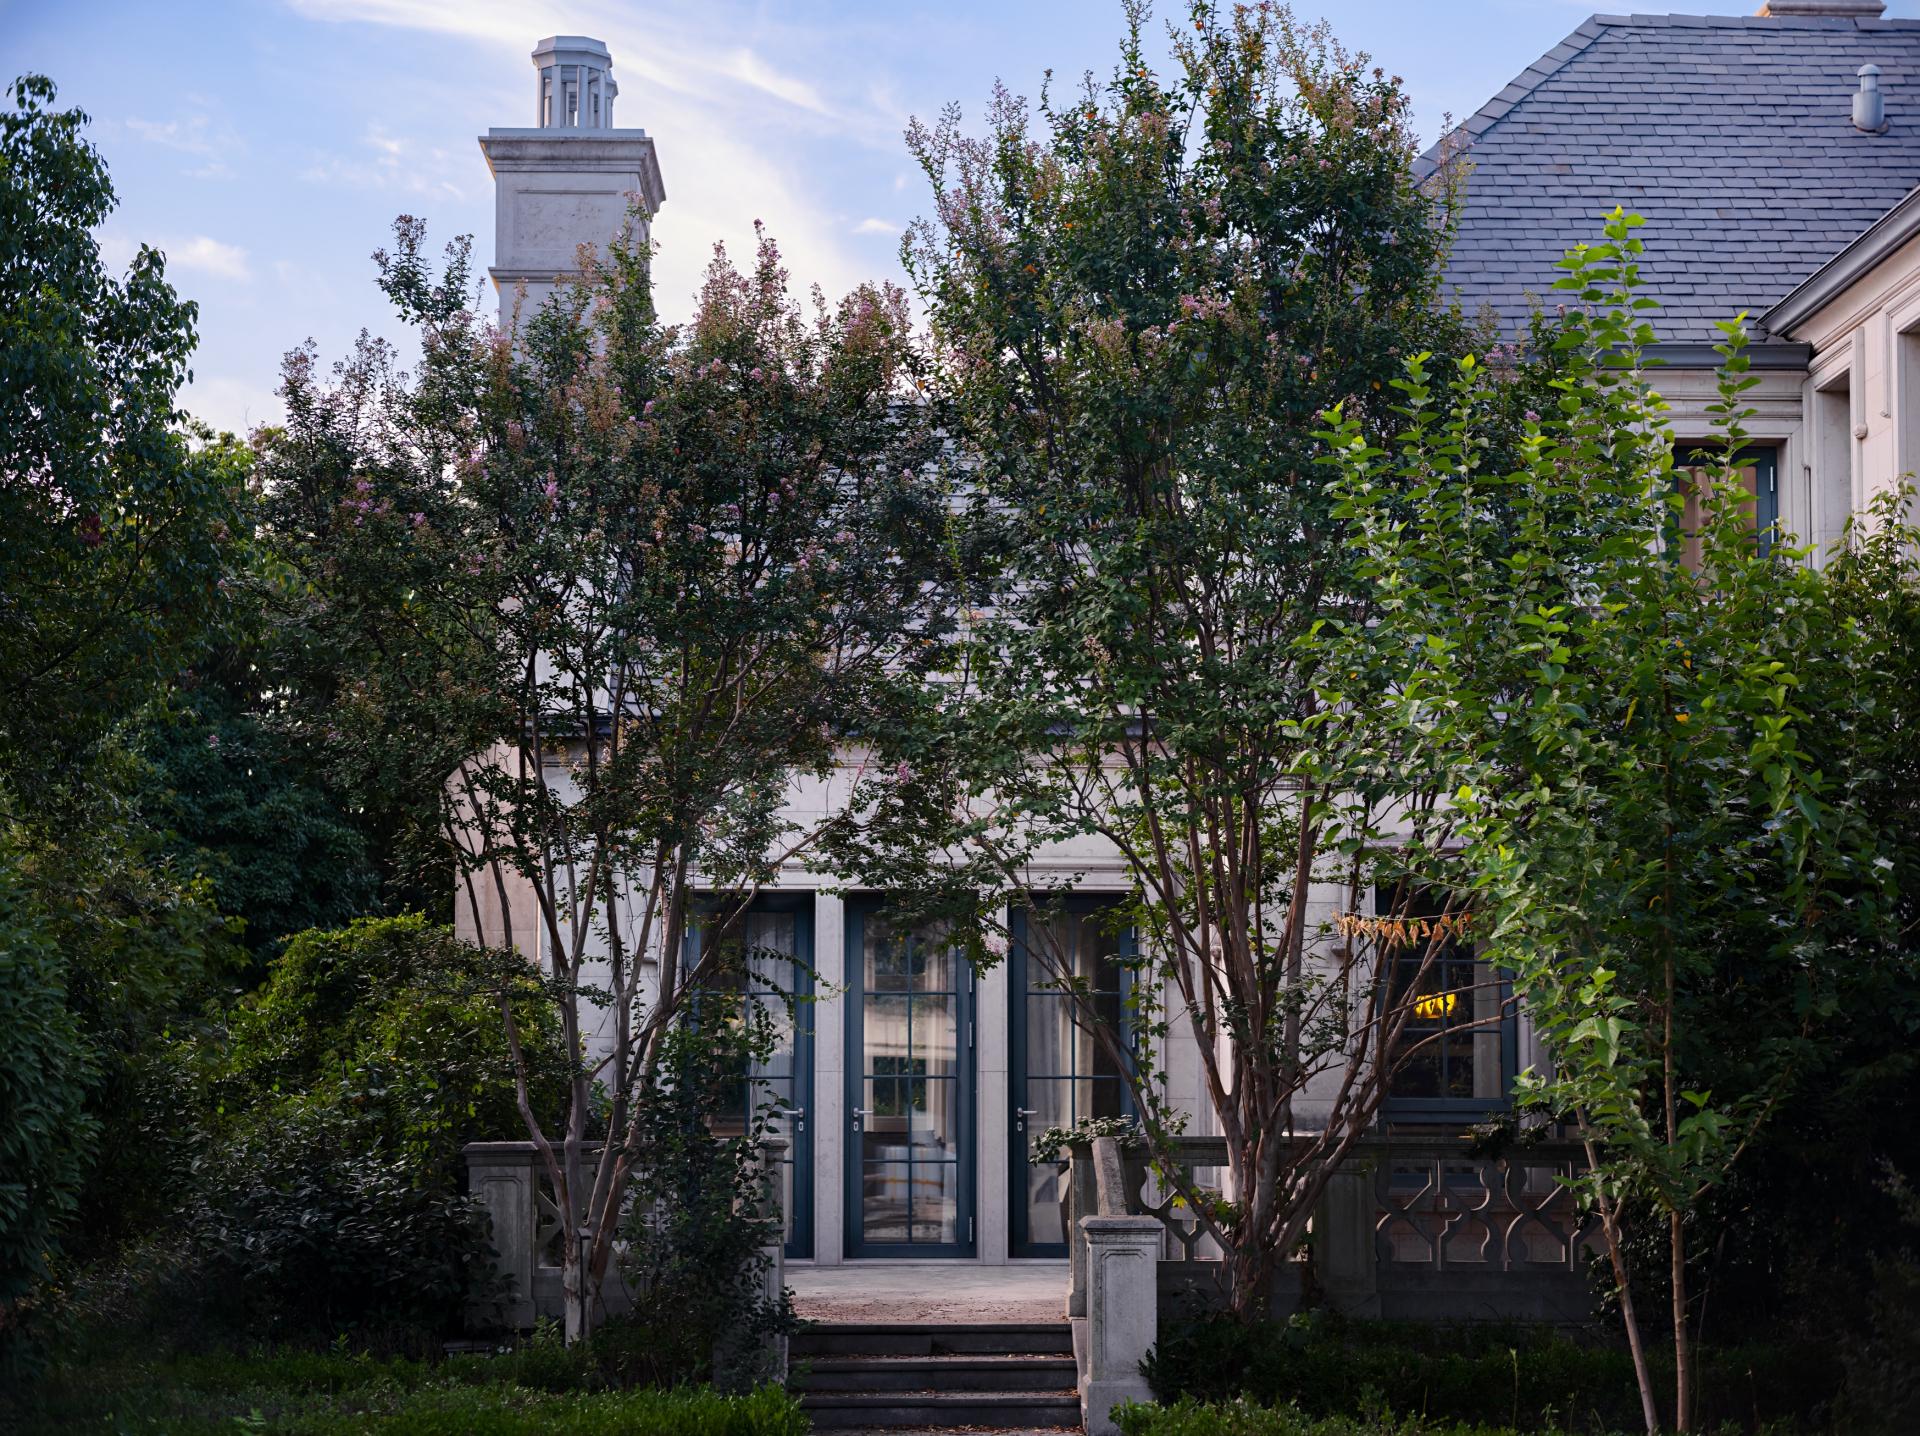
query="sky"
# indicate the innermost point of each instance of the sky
(266, 146)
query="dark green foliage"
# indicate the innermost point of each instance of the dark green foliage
(105, 958)
(114, 524)
(329, 1192)
(1883, 1367)
(46, 1068)
(1526, 1378)
(536, 1388)
(1820, 1171)
(1244, 1418)
(701, 1226)
(114, 530)
(395, 1023)
(241, 805)
(298, 1226)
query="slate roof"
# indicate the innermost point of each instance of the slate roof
(1733, 135)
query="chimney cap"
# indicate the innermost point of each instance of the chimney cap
(1836, 9)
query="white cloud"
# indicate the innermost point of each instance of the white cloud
(196, 254)
(203, 254)
(876, 226)
(200, 133)
(390, 162)
(749, 69)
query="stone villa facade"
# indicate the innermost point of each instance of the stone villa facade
(1775, 157)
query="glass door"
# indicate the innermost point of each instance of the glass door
(774, 965)
(1059, 1071)
(909, 1090)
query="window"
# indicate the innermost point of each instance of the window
(1758, 472)
(1458, 1043)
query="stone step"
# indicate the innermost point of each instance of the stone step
(1051, 1338)
(894, 1411)
(935, 1373)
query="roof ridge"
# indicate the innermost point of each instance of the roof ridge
(1757, 22)
(1521, 86)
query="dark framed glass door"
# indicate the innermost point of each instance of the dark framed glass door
(775, 966)
(910, 1089)
(1059, 1071)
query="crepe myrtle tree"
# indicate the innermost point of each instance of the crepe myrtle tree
(610, 587)
(1142, 305)
(1655, 718)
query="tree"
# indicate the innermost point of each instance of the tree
(114, 530)
(1619, 672)
(114, 524)
(606, 588)
(1141, 311)
(242, 801)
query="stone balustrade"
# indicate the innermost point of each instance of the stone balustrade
(1409, 1228)
(508, 1182)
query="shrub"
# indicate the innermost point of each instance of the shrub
(699, 1229)
(335, 1391)
(297, 1227)
(397, 1023)
(45, 1072)
(1243, 1418)
(1530, 1378)
(1883, 1368)
(329, 1192)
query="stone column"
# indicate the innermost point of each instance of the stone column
(1122, 1321)
(1345, 1251)
(501, 1177)
(994, 1194)
(829, 1080)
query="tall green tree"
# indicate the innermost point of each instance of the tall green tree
(606, 589)
(1626, 679)
(112, 526)
(1142, 300)
(114, 531)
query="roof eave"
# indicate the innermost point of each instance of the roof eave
(1701, 354)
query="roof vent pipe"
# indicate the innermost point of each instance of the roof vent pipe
(1869, 105)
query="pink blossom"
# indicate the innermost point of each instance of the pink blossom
(648, 409)
(903, 773)
(552, 490)
(213, 740)
(754, 374)
(417, 519)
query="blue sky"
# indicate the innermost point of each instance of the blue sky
(267, 145)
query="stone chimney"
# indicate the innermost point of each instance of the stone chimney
(570, 179)
(1848, 9)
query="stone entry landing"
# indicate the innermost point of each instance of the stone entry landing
(939, 1293)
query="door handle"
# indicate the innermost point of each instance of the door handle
(1020, 1115)
(858, 1113)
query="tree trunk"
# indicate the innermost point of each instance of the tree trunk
(1617, 1257)
(1682, 1347)
(576, 1285)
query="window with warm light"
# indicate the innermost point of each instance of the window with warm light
(1456, 1051)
